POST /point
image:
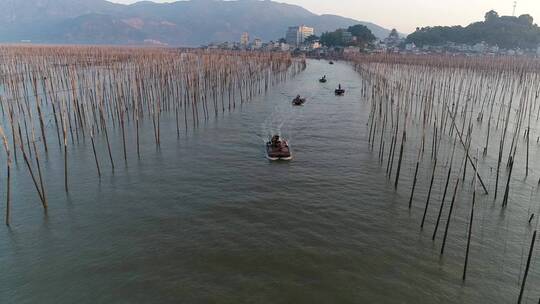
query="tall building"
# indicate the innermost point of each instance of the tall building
(292, 36)
(306, 32)
(244, 39)
(257, 43)
(296, 35)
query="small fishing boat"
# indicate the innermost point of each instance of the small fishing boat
(331, 62)
(340, 91)
(323, 80)
(278, 149)
(298, 101)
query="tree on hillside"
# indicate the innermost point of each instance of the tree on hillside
(362, 33)
(491, 16)
(393, 39)
(505, 31)
(333, 38)
(526, 20)
(393, 34)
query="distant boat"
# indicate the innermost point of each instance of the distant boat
(340, 91)
(278, 149)
(323, 80)
(331, 62)
(298, 101)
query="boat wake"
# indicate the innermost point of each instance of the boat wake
(281, 121)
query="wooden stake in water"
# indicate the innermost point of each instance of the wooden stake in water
(460, 136)
(8, 175)
(449, 217)
(470, 222)
(445, 192)
(452, 207)
(414, 183)
(94, 149)
(38, 165)
(65, 154)
(429, 193)
(531, 250)
(507, 188)
(29, 166)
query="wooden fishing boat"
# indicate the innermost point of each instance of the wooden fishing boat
(340, 91)
(298, 101)
(278, 149)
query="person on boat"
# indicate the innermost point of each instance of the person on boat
(339, 87)
(324, 77)
(276, 142)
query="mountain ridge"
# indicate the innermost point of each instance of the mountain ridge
(180, 23)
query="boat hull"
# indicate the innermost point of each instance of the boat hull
(278, 153)
(300, 102)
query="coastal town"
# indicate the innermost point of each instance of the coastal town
(303, 39)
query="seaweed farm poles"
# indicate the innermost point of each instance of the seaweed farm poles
(101, 94)
(441, 94)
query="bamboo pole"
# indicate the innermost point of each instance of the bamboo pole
(8, 174)
(471, 219)
(524, 281)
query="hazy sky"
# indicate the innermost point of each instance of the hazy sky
(406, 15)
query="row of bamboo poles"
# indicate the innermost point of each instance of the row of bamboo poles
(458, 117)
(53, 97)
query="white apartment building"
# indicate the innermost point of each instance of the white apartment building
(244, 39)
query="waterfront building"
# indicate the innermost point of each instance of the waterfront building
(296, 35)
(480, 47)
(257, 43)
(293, 36)
(306, 31)
(244, 39)
(410, 47)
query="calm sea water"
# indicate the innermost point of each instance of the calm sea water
(207, 219)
